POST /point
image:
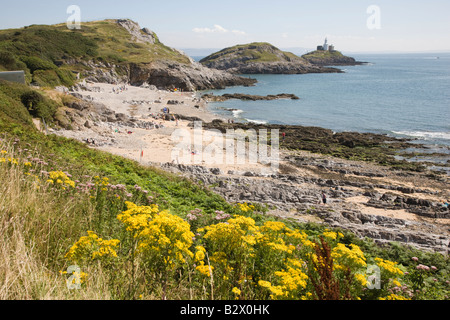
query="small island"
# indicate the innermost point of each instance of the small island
(261, 58)
(326, 55)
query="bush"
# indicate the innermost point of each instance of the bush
(10, 62)
(38, 106)
(35, 63)
(46, 78)
(47, 74)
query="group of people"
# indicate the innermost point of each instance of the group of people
(119, 89)
(90, 141)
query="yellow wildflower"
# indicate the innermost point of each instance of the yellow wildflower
(162, 237)
(361, 279)
(390, 267)
(91, 247)
(330, 234)
(264, 284)
(200, 254)
(205, 270)
(245, 207)
(394, 297)
(136, 218)
(348, 258)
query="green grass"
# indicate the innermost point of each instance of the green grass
(175, 193)
(253, 52)
(323, 54)
(38, 226)
(19, 103)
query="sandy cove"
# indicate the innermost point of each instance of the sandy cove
(147, 146)
(154, 147)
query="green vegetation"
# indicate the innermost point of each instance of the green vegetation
(51, 55)
(19, 103)
(329, 58)
(253, 52)
(323, 54)
(137, 232)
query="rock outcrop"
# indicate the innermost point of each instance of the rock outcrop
(138, 35)
(168, 75)
(261, 58)
(298, 197)
(172, 70)
(330, 58)
(378, 148)
(242, 96)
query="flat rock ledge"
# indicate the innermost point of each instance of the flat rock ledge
(248, 97)
(298, 198)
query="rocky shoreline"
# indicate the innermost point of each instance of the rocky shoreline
(370, 201)
(368, 194)
(377, 148)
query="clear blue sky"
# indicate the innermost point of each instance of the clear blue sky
(405, 25)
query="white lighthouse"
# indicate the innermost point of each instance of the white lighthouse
(325, 45)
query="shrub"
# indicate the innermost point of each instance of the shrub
(35, 63)
(46, 78)
(38, 106)
(10, 62)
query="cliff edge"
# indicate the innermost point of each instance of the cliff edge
(109, 51)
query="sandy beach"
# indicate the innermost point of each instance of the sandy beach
(153, 145)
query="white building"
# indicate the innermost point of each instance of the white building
(325, 45)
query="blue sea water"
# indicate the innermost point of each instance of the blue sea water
(403, 95)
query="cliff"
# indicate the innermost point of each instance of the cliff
(330, 58)
(110, 51)
(261, 58)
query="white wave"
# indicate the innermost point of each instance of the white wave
(257, 121)
(425, 134)
(236, 113)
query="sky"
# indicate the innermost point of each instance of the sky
(350, 25)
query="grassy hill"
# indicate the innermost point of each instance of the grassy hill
(261, 58)
(51, 55)
(329, 58)
(253, 52)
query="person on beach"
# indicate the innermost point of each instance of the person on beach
(324, 198)
(283, 135)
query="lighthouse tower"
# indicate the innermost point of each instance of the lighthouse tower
(325, 45)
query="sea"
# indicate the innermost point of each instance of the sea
(401, 95)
